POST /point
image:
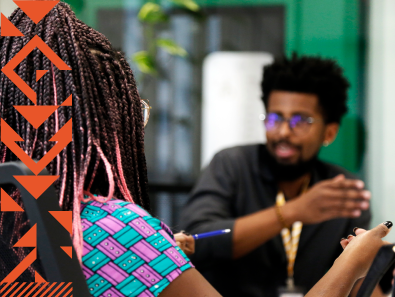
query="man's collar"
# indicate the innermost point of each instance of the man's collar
(261, 167)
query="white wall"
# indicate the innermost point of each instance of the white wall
(232, 101)
(7, 7)
(381, 110)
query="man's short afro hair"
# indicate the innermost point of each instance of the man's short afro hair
(313, 75)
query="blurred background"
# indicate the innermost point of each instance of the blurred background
(199, 63)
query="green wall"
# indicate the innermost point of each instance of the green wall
(329, 28)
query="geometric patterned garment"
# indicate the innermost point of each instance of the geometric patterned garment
(127, 252)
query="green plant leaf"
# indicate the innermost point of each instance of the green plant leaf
(188, 4)
(152, 13)
(145, 62)
(171, 47)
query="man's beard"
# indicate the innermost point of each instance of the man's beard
(290, 172)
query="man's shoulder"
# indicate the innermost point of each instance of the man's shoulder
(237, 157)
(241, 151)
(332, 170)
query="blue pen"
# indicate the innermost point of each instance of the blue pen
(209, 234)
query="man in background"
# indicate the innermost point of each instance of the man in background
(287, 210)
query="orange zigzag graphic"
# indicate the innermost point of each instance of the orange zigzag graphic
(63, 138)
(36, 12)
(8, 69)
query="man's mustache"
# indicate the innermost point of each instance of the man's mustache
(274, 144)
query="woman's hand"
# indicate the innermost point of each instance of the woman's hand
(377, 292)
(359, 251)
(186, 242)
(352, 264)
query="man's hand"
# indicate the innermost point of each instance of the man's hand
(334, 198)
(329, 199)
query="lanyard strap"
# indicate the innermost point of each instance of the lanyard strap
(291, 238)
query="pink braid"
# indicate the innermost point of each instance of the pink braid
(109, 173)
(77, 230)
(64, 172)
(56, 116)
(125, 190)
(63, 185)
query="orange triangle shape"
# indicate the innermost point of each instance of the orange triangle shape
(36, 114)
(68, 102)
(8, 204)
(65, 218)
(68, 250)
(36, 185)
(36, 10)
(7, 133)
(8, 28)
(38, 278)
(29, 239)
(40, 74)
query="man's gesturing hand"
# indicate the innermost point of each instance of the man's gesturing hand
(334, 198)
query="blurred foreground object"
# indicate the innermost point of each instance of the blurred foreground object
(231, 87)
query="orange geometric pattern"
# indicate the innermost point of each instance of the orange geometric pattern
(21, 267)
(68, 250)
(65, 218)
(8, 28)
(29, 239)
(35, 185)
(8, 204)
(36, 42)
(38, 278)
(36, 115)
(63, 138)
(36, 10)
(68, 102)
(40, 74)
(34, 289)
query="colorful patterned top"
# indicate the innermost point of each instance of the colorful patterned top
(127, 252)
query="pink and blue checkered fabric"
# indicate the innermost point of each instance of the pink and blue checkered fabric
(127, 252)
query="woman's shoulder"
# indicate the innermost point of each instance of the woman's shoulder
(114, 205)
(128, 251)
(118, 213)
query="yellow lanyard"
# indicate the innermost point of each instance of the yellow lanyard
(291, 239)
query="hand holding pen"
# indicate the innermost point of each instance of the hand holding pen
(186, 241)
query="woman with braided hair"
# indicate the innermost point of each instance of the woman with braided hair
(103, 180)
(106, 155)
(103, 169)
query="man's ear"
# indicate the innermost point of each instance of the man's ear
(331, 131)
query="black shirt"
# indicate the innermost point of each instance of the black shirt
(238, 182)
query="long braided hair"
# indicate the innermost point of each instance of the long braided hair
(106, 155)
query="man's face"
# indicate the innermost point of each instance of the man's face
(283, 144)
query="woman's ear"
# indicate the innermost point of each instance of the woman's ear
(331, 131)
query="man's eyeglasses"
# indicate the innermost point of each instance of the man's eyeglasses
(298, 124)
(146, 108)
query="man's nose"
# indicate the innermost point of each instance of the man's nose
(284, 129)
